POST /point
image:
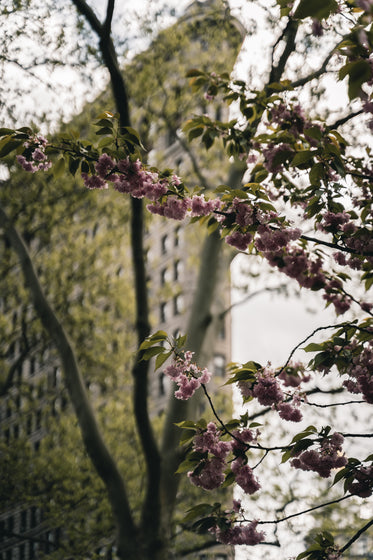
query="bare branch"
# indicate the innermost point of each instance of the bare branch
(276, 521)
(357, 535)
(289, 33)
(335, 246)
(89, 15)
(345, 119)
(316, 73)
(109, 17)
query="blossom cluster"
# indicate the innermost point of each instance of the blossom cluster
(362, 482)
(266, 388)
(35, 158)
(239, 534)
(210, 471)
(360, 372)
(292, 120)
(245, 221)
(187, 375)
(131, 177)
(329, 456)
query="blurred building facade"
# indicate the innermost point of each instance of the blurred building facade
(209, 35)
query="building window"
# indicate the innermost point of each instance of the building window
(9, 555)
(22, 551)
(163, 312)
(10, 525)
(23, 526)
(163, 276)
(29, 424)
(32, 367)
(164, 244)
(177, 270)
(16, 431)
(161, 387)
(33, 550)
(177, 236)
(38, 419)
(178, 304)
(219, 365)
(34, 517)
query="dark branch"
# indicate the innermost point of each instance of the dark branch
(316, 74)
(276, 521)
(289, 33)
(357, 535)
(109, 17)
(89, 15)
(343, 120)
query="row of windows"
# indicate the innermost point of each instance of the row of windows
(47, 542)
(26, 520)
(13, 405)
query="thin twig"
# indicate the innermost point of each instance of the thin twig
(275, 522)
(357, 535)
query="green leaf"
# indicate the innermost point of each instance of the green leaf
(151, 352)
(313, 347)
(59, 168)
(313, 132)
(181, 340)
(105, 123)
(161, 358)
(73, 165)
(193, 72)
(318, 9)
(105, 115)
(207, 139)
(106, 141)
(8, 144)
(316, 173)
(104, 130)
(5, 131)
(195, 132)
(302, 157)
(358, 72)
(158, 336)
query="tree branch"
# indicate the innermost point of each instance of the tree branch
(316, 73)
(289, 33)
(151, 506)
(89, 15)
(343, 120)
(109, 17)
(276, 521)
(356, 536)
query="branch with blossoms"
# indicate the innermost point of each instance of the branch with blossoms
(246, 218)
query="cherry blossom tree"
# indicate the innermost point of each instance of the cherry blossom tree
(303, 172)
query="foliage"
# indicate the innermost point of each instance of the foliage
(294, 162)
